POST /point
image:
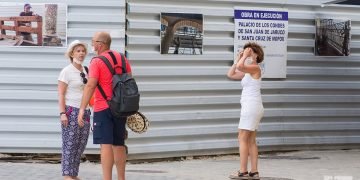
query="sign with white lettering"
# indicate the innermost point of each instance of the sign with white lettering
(268, 28)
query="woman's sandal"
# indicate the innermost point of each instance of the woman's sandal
(254, 175)
(239, 175)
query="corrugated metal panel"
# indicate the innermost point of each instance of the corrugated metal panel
(29, 119)
(194, 108)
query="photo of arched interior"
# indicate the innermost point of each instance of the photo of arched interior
(181, 33)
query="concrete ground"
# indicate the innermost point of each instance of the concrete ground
(301, 165)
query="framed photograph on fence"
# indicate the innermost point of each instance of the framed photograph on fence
(181, 33)
(332, 37)
(36, 24)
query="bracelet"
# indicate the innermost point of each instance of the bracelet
(61, 113)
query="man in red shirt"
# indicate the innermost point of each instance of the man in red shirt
(109, 131)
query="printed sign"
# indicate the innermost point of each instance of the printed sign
(269, 29)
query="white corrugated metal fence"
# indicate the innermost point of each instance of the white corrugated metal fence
(193, 108)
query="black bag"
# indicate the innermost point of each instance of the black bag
(125, 98)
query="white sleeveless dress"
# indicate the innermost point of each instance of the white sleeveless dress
(252, 109)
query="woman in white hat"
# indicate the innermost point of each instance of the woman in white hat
(71, 82)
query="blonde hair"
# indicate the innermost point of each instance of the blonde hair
(72, 46)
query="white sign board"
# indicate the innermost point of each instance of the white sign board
(268, 28)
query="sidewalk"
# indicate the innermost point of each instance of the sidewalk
(302, 165)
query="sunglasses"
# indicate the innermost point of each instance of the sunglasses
(82, 75)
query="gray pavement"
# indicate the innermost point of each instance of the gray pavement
(301, 165)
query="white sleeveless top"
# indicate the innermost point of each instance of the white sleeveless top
(251, 87)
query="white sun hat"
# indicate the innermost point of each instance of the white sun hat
(71, 47)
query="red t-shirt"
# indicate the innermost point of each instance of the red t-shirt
(101, 72)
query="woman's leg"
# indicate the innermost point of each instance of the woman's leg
(68, 150)
(253, 152)
(82, 141)
(243, 137)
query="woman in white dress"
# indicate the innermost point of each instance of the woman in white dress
(248, 70)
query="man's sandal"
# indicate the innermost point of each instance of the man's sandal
(254, 175)
(239, 175)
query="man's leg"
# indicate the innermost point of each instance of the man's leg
(120, 161)
(103, 135)
(107, 161)
(119, 149)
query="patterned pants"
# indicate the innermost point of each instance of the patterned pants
(74, 140)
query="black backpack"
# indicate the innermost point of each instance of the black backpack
(125, 94)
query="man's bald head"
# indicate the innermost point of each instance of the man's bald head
(103, 37)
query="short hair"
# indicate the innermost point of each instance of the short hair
(27, 5)
(104, 37)
(257, 49)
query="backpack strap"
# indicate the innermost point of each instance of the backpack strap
(106, 61)
(113, 57)
(111, 69)
(123, 68)
(123, 63)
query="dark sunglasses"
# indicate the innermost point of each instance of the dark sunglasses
(82, 75)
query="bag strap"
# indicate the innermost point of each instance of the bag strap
(86, 69)
(111, 69)
(113, 57)
(107, 63)
(123, 63)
